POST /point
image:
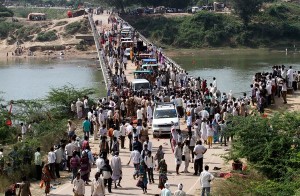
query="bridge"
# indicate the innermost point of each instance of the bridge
(190, 183)
(103, 60)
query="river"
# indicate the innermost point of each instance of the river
(33, 78)
(234, 69)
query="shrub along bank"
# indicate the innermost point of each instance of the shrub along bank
(48, 120)
(277, 25)
(271, 147)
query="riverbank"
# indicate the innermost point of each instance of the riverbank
(69, 53)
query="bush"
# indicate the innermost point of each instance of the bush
(8, 27)
(61, 23)
(46, 36)
(26, 33)
(82, 27)
(61, 98)
(5, 12)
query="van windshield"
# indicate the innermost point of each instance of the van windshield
(139, 86)
(171, 113)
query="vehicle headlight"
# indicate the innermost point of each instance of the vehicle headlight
(176, 124)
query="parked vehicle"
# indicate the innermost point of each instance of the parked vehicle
(164, 116)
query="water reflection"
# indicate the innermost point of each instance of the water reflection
(32, 78)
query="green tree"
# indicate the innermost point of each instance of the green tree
(246, 8)
(270, 145)
(121, 4)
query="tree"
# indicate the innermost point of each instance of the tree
(246, 8)
(120, 4)
(270, 145)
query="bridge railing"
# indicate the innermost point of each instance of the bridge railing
(168, 60)
(99, 47)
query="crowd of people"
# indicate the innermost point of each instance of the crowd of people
(127, 115)
(266, 86)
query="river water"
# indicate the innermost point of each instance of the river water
(234, 70)
(33, 78)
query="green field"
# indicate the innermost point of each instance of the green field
(50, 12)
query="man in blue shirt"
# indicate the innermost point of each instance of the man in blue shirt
(86, 125)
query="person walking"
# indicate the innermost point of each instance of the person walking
(179, 192)
(86, 125)
(205, 179)
(136, 157)
(46, 177)
(199, 150)
(51, 162)
(78, 187)
(74, 165)
(143, 180)
(59, 156)
(192, 142)
(115, 146)
(178, 156)
(166, 190)
(38, 163)
(104, 147)
(159, 154)
(85, 167)
(187, 156)
(97, 186)
(163, 169)
(122, 135)
(149, 161)
(116, 166)
(106, 172)
(70, 148)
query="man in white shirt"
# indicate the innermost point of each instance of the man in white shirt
(79, 186)
(149, 161)
(59, 155)
(139, 115)
(129, 129)
(199, 150)
(205, 179)
(122, 134)
(100, 163)
(70, 148)
(51, 160)
(136, 157)
(214, 83)
(79, 105)
(148, 143)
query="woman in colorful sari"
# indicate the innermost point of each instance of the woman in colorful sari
(84, 167)
(46, 177)
(163, 169)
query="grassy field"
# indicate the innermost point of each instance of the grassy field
(50, 12)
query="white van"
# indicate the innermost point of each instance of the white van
(164, 116)
(141, 84)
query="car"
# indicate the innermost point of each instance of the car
(141, 85)
(127, 53)
(165, 115)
